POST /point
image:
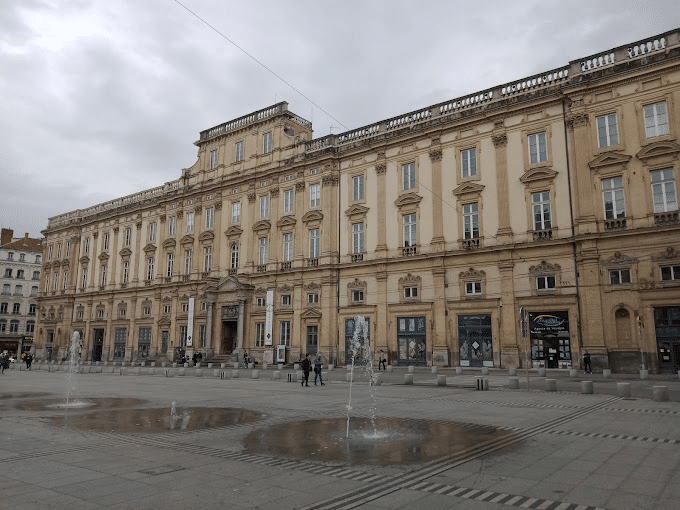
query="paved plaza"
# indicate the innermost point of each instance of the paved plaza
(530, 448)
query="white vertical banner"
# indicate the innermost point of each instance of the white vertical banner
(190, 323)
(269, 318)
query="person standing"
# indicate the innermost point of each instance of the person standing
(29, 360)
(382, 360)
(306, 368)
(318, 366)
(587, 367)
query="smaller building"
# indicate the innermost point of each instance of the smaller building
(20, 262)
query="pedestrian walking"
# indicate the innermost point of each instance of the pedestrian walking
(29, 360)
(306, 368)
(587, 367)
(382, 360)
(4, 361)
(318, 366)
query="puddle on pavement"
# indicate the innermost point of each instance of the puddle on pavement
(56, 404)
(126, 421)
(396, 441)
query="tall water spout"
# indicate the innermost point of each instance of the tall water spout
(361, 351)
(73, 361)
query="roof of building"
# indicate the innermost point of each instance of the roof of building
(24, 244)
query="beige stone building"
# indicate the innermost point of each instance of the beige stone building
(552, 195)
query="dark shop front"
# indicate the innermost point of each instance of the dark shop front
(549, 335)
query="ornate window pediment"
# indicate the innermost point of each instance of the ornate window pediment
(147, 302)
(472, 273)
(312, 286)
(410, 279)
(544, 268)
(228, 284)
(260, 291)
(233, 232)
(408, 199)
(541, 173)
(312, 216)
(164, 321)
(169, 243)
(103, 257)
(262, 226)
(149, 248)
(617, 259)
(356, 212)
(187, 239)
(669, 254)
(286, 288)
(65, 262)
(125, 252)
(84, 259)
(356, 284)
(610, 159)
(468, 188)
(311, 313)
(659, 149)
(208, 235)
(286, 221)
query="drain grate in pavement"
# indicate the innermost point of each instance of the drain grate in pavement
(161, 470)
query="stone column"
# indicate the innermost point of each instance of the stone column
(510, 344)
(217, 243)
(578, 126)
(137, 251)
(500, 142)
(380, 171)
(382, 326)
(208, 327)
(113, 248)
(329, 228)
(592, 331)
(438, 242)
(239, 329)
(440, 349)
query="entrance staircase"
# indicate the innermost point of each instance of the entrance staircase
(217, 359)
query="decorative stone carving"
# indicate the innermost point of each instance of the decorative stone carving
(198, 208)
(218, 206)
(286, 288)
(617, 259)
(162, 218)
(669, 254)
(300, 186)
(472, 273)
(312, 286)
(356, 284)
(380, 168)
(115, 230)
(544, 268)
(251, 197)
(330, 180)
(435, 155)
(577, 120)
(409, 278)
(180, 214)
(499, 140)
(138, 225)
(274, 192)
(260, 291)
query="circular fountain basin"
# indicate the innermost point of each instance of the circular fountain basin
(391, 441)
(56, 404)
(161, 419)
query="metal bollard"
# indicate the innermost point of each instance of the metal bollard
(623, 389)
(550, 385)
(481, 383)
(513, 383)
(292, 377)
(408, 378)
(660, 393)
(587, 387)
(441, 380)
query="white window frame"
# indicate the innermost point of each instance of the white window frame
(236, 212)
(358, 238)
(410, 229)
(607, 130)
(67, 254)
(264, 206)
(171, 263)
(357, 296)
(190, 222)
(468, 163)
(167, 308)
(673, 273)
(207, 258)
(408, 174)
(287, 247)
(128, 236)
(314, 243)
(473, 288)
(239, 151)
(172, 225)
(656, 119)
(664, 195)
(213, 159)
(10, 256)
(538, 147)
(84, 278)
(312, 298)
(106, 242)
(259, 334)
(619, 276)
(315, 195)
(358, 191)
(288, 200)
(58, 251)
(187, 262)
(471, 221)
(546, 282)
(152, 231)
(267, 143)
(87, 247)
(56, 280)
(209, 217)
(149, 268)
(285, 300)
(104, 271)
(284, 338)
(126, 271)
(410, 292)
(65, 280)
(263, 248)
(541, 210)
(613, 199)
(234, 256)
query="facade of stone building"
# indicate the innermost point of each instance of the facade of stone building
(552, 195)
(20, 265)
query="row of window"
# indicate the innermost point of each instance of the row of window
(14, 326)
(238, 150)
(16, 308)
(18, 290)
(22, 257)
(20, 274)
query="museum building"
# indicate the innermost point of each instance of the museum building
(554, 194)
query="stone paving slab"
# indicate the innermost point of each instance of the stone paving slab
(571, 450)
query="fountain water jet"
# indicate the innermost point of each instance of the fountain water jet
(362, 351)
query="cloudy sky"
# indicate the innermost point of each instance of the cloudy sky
(100, 99)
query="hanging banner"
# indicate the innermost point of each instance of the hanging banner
(190, 323)
(269, 318)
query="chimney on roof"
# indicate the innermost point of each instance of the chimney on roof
(26, 235)
(6, 236)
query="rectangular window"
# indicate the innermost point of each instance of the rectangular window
(3, 307)
(259, 334)
(545, 282)
(358, 187)
(6, 289)
(20, 273)
(409, 175)
(358, 238)
(207, 258)
(87, 246)
(607, 131)
(315, 195)
(149, 268)
(68, 250)
(670, 273)
(541, 209)
(167, 308)
(267, 143)
(613, 199)
(34, 291)
(314, 243)
(468, 163)
(190, 222)
(18, 290)
(213, 159)
(201, 335)
(410, 230)
(239, 151)
(183, 336)
(288, 197)
(56, 280)
(122, 312)
(10, 256)
(104, 270)
(263, 256)
(234, 256)
(187, 261)
(619, 276)
(410, 292)
(36, 275)
(58, 251)
(83, 283)
(312, 298)
(285, 300)
(260, 301)
(472, 288)
(152, 231)
(106, 242)
(357, 296)
(287, 247)
(471, 221)
(663, 190)
(538, 148)
(236, 212)
(209, 217)
(185, 307)
(14, 327)
(128, 236)
(16, 308)
(64, 280)
(285, 333)
(656, 119)
(171, 261)
(30, 327)
(146, 310)
(47, 285)
(172, 225)
(264, 206)
(126, 271)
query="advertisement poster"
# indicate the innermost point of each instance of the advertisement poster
(280, 353)
(269, 318)
(190, 323)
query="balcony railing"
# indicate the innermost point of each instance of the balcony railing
(233, 271)
(668, 218)
(262, 268)
(615, 224)
(409, 251)
(286, 265)
(470, 244)
(312, 262)
(357, 257)
(543, 235)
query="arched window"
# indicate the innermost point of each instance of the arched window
(234, 256)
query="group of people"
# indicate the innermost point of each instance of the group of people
(307, 364)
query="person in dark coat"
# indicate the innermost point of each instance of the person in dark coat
(382, 360)
(318, 366)
(306, 368)
(29, 360)
(587, 367)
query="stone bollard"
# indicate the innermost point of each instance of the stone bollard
(276, 375)
(435, 369)
(541, 372)
(389, 368)
(660, 393)
(216, 373)
(408, 378)
(573, 372)
(411, 369)
(210, 365)
(181, 371)
(186, 365)
(512, 372)
(234, 374)
(348, 376)
(296, 366)
(623, 389)
(441, 380)
(644, 374)
(459, 370)
(330, 368)
(235, 365)
(550, 385)
(264, 366)
(485, 370)
(606, 373)
(481, 383)
(513, 383)
(153, 363)
(198, 372)
(280, 366)
(587, 387)
(174, 365)
(223, 365)
(255, 374)
(197, 365)
(142, 364)
(251, 365)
